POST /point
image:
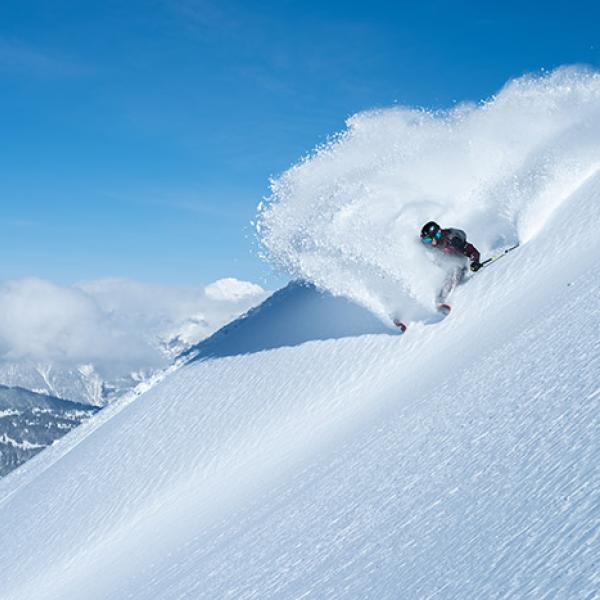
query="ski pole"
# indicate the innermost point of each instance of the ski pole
(493, 258)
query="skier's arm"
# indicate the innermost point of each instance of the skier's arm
(458, 240)
(471, 253)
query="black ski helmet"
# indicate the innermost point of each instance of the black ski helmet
(430, 229)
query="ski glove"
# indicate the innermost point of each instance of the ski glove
(475, 266)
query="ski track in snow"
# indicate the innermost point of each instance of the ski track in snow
(458, 461)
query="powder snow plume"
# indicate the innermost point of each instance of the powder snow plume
(347, 217)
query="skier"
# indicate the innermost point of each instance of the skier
(454, 243)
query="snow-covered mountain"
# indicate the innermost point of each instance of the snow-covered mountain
(93, 342)
(295, 314)
(308, 450)
(30, 422)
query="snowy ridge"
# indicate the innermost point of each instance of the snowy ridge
(295, 314)
(456, 461)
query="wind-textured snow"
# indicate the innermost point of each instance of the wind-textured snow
(459, 461)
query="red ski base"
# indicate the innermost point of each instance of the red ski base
(445, 308)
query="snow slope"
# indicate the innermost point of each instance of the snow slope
(459, 460)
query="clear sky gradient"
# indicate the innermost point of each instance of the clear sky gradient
(139, 136)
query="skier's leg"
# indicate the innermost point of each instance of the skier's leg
(454, 279)
(460, 273)
(445, 291)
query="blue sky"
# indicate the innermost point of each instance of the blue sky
(139, 136)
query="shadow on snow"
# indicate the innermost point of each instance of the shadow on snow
(293, 315)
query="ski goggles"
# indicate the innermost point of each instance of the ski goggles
(429, 239)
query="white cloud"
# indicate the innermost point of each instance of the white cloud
(115, 324)
(42, 320)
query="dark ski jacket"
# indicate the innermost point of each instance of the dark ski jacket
(454, 241)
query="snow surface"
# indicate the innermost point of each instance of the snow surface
(460, 460)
